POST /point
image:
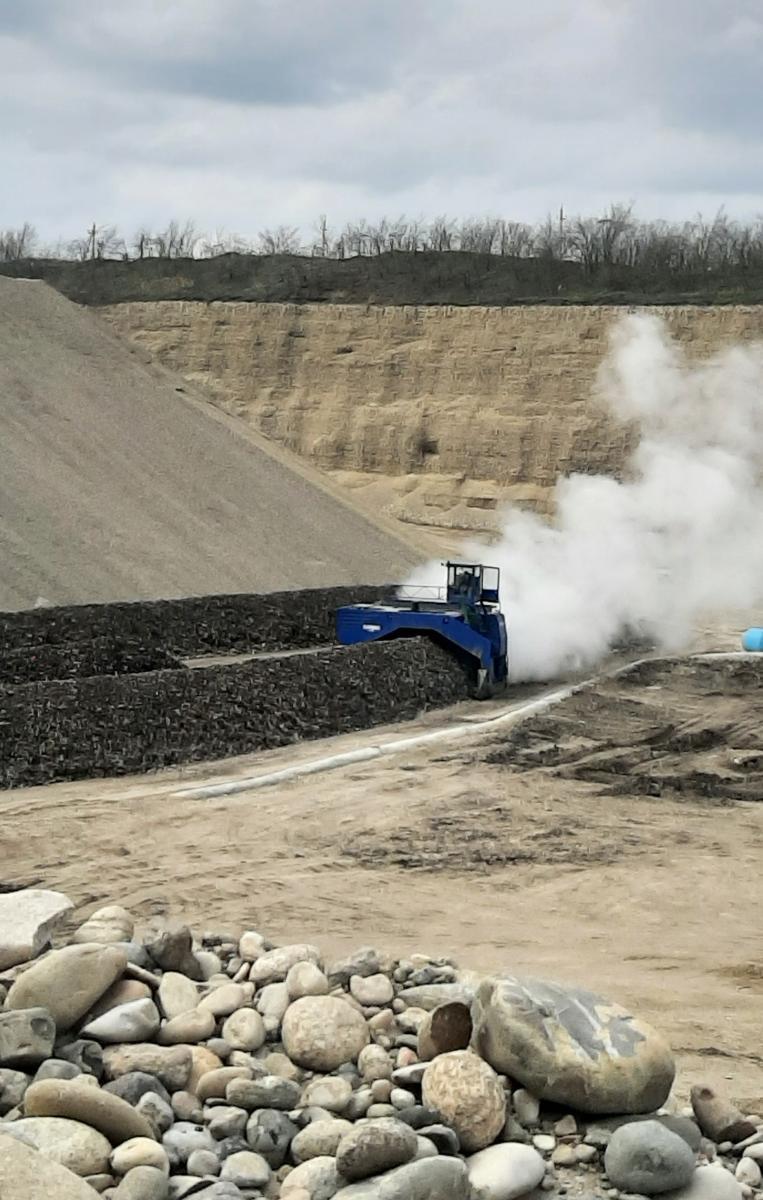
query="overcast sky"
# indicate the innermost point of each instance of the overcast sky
(245, 114)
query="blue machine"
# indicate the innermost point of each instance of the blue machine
(465, 616)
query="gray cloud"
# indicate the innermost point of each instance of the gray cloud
(244, 113)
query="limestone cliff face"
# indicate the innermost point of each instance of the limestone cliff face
(435, 414)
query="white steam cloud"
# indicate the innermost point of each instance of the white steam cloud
(680, 536)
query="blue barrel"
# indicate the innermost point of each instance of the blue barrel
(752, 639)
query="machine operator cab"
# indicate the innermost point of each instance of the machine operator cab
(472, 584)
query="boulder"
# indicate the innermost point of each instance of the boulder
(468, 1095)
(75, 1146)
(647, 1158)
(27, 920)
(25, 1174)
(110, 1115)
(68, 982)
(322, 1032)
(426, 1179)
(107, 925)
(26, 1036)
(505, 1172)
(375, 1146)
(570, 1046)
(171, 1064)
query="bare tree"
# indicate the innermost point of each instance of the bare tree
(18, 243)
(283, 240)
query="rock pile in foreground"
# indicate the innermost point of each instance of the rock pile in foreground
(227, 1068)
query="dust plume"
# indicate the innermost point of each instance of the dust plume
(679, 536)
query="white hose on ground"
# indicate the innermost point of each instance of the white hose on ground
(512, 715)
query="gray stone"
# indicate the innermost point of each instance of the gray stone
(226, 1121)
(84, 1054)
(57, 1068)
(645, 1157)
(708, 1183)
(143, 1183)
(418, 1115)
(224, 1000)
(26, 1037)
(157, 1111)
(319, 1139)
(571, 1046)
(432, 995)
(82, 1150)
(526, 1107)
(68, 982)
(100, 1183)
(271, 1133)
(251, 945)
(364, 962)
(246, 1169)
(373, 1147)
(425, 1179)
(137, 954)
(183, 1138)
(718, 1118)
(272, 1001)
(139, 1152)
(107, 925)
(202, 1163)
(13, 1084)
(374, 1063)
(136, 1021)
(171, 949)
(230, 1145)
(27, 920)
(322, 1032)
(306, 979)
(135, 1084)
(271, 1091)
(187, 1107)
(505, 1172)
(27, 1175)
(443, 1137)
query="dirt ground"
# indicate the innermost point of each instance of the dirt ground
(576, 854)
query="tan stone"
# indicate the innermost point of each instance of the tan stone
(68, 982)
(202, 1062)
(171, 1064)
(468, 1094)
(107, 925)
(25, 1174)
(177, 994)
(27, 920)
(110, 1115)
(75, 1146)
(213, 1083)
(187, 1028)
(121, 992)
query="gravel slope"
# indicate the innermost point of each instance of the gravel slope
(117, 482)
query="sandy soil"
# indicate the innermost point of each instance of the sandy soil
(119, 481)
(520, 863)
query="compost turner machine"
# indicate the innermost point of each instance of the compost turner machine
(464, 616)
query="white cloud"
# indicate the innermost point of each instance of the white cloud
(246, 113)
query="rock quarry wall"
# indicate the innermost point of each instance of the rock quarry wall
(435, 414)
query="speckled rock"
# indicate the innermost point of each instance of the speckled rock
(646, 1158)
(571, 1046)
(373, 1147)
(306, 979)
(467, 1093)
(322, 1032)
(246, 1169)
(26, 1037)
(274, 965)
(27, 1175)
(318, 1177)
(244, 1030)
(332, 1093)
(171, 1064)
(372, 990)
(319, 1139)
